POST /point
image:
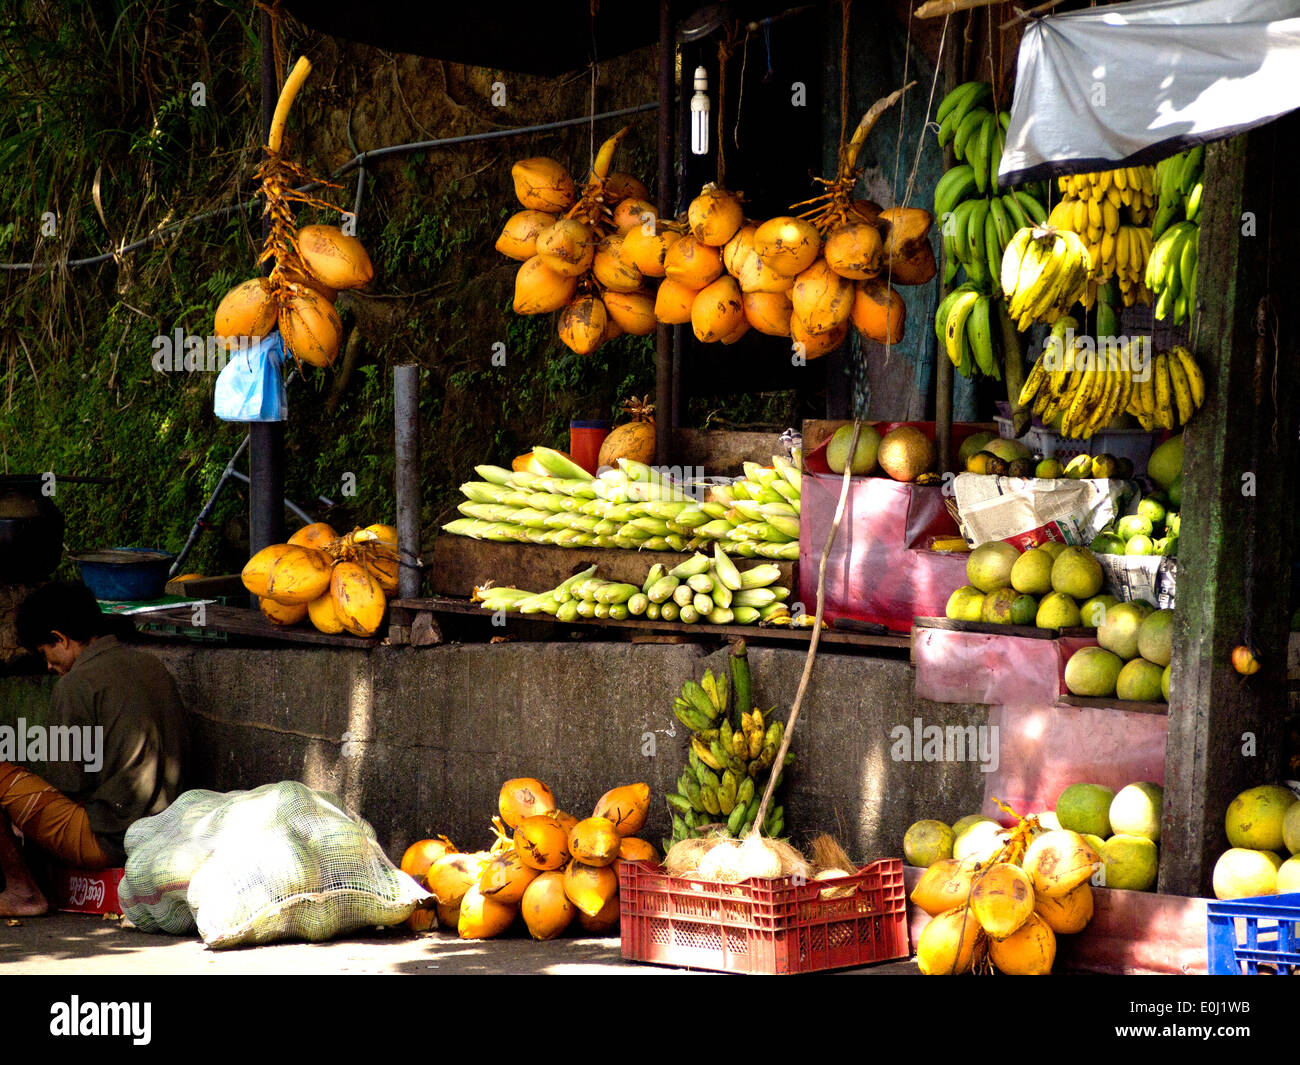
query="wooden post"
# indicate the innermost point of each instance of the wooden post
(951, 72)
(1239, 492)
(665, 366)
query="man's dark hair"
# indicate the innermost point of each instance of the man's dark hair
(59, 607)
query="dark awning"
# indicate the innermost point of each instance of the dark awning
(514, 35)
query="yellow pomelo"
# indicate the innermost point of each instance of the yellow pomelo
(1137, 810)
(1077, 573)
(1242, 873)
(989, 566)
(1131, 863)
(1288, 876)
(1255, 817)
(927, 842)
(1093, 671)
(1032, 572)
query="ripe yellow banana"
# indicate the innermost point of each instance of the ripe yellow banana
(1182, 389)
(1195, 379)
(1164, 411)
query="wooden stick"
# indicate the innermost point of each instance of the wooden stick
(1031, 13)
(291, 86)
(778, 764)
(935, 8)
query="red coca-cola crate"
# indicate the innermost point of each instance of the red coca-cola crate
(87, 891)
(778, 926)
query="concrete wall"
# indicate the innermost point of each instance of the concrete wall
(419, 741)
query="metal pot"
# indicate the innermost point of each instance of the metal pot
(31, 531)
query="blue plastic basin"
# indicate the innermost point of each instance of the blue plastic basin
(121, 573)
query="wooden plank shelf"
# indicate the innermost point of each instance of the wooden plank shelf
(233, 621)
(1132, 705)
(405, 613)
(1028, 632)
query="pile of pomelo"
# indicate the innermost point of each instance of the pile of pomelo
(1262, 824)
(1051, 586)
(1123, 828)
(1132, 660)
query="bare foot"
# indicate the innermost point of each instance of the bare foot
(19, 895)
(22, 902)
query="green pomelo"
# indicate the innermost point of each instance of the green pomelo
(1139, 681)
(989, 566)
(1024, 609)
(998, 606)
(864, 457)
(1119, 632)
(1136, 810)
(973, 443)
(1106, 544)
(1094, 611)
(1153, 510)
(1049, 469)
(1166, 678)
(1166, 463)
(1255, 817)
(1057, 611)
(1242, 873)
(1291, 828)
(1288, 876)
(962, 823)
(1031, 573)
(1095, 842)
(1007, 450)
(1093, 671)
(965, 604)
(1156, 637)
(927, 842)
(1176, 492)
(1140, 544)
(1077, 573)
(1131, 863)
(1084, 808)
(1132, 525)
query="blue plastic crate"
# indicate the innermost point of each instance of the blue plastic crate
(1248, 937)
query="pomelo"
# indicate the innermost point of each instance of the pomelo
(1049, 469)
(973, 443)
(1242, 873)
(1057, 611)
(962, 823)
(1105, 543)
(1291, 828)
(905, 453)
(927, 842)
(997, 609)
(1156, 637)
(1166, 679)
(1255, 817)
(1093, 671)
(1052, 547)
(1152, 509)
(1079, 467)
(1131, 863)
(864, 458)
(1166, 463)
(1176, 492)
(1006, 449)
(1141, 544)
(1084, 808)
(1095, 842)
(1077, 573)
(1139, 681)
(1131, 525)
(1031, 573)
(1288, 876)
(988, 567)
(1119, 632)
(1136, 810)
(965, 604)
(1093, 612)
(1024, 608)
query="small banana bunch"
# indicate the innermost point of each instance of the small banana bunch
(732, 749)
(1172, 392)
(1171, 271)
(1044, 273)
(1178, 178)
(965, 326)
(1071, 381)
(1133, 187)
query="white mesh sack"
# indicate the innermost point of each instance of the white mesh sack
(285, 862)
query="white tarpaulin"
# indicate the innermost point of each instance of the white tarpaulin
(1131, 83)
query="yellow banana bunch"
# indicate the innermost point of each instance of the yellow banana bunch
(1104, 210)
(1043, 277)
(1170, 393)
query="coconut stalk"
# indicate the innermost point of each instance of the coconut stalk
(835, 206)
(778, 762)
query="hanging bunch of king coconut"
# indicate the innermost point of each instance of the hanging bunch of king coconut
(312, 264)
(587, 250)
(339, 583)
(1003, 908)
(807, 277)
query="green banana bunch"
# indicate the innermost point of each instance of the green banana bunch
(1171, 271)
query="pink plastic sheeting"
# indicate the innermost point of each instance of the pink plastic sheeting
(874, 572)
(976, 667)
(1042, 750)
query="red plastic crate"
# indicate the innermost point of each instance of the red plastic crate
(773, 926)
(87, 891)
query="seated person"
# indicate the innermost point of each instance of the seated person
(78, 813)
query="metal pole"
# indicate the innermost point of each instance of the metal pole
(406, 407)
(665, 415)
(266, 439)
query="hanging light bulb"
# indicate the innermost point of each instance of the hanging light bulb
(700, 113)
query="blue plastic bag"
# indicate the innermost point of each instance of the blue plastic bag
(250, 387)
